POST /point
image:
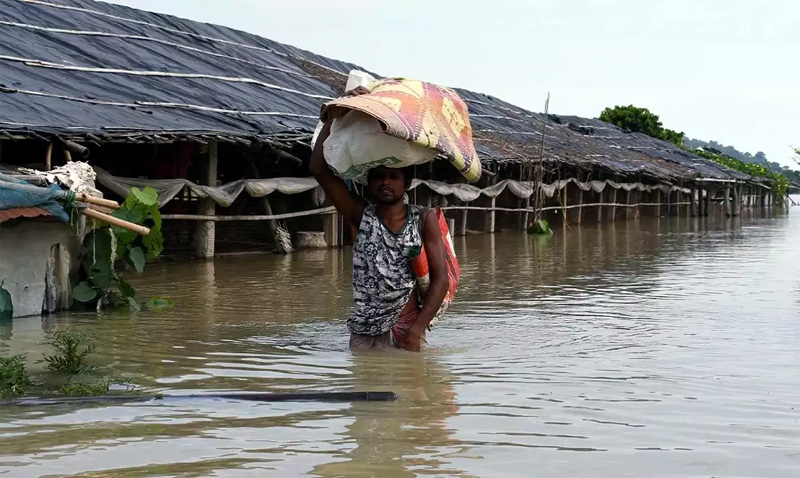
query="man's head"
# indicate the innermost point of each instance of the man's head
(387, 185)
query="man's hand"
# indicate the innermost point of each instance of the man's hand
(413, 338)
(357, 91)
(348, 205)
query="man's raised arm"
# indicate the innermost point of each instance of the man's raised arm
(349, 205)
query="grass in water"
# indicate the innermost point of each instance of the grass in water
(72, 350)
(14, 379)
(96, 388)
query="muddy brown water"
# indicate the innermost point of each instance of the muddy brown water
(646, 348)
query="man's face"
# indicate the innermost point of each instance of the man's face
(386, 185)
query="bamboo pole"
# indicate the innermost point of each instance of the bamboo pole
(462, 231)
(114, 221)
(737, 199)
(627, 203)
(580, 204)
(600, 207)
(707, 207)
(268, 217)
(658, 201)
(107, 203)
(614, 208)
(564, 202)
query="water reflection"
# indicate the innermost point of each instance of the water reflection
(407, 437)
(636, 348)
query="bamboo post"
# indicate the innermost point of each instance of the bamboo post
(693, 202)
(658, 203)
(707, 207)
(669, 204)
(600, 206)
(462, 231)
(727, 202)
(628, 203)
(205, 234)
(490, 215)
(525, 215)
(67, 156)
(614, 208)
(580, 205)
(564, 202)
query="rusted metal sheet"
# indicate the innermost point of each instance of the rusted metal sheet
(15, 212)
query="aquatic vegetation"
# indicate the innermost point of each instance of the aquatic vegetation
(72, 350)
(540, 227)
(14, 379)
(70, 360)
(90, 388)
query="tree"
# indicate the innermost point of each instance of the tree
(640, 120)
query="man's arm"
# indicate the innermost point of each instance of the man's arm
(348, 205)
(440, 282)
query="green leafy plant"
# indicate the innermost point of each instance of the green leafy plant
(106, 246)
(758, 170)
(541, 227)
(160, 303)
(72, 350)
(14, 379)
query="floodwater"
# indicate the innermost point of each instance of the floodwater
(645, 348)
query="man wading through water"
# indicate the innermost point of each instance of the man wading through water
(386, 307)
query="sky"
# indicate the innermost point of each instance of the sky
(724, 70)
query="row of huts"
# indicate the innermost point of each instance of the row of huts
(220, 121)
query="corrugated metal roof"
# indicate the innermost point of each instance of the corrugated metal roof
(15, 212)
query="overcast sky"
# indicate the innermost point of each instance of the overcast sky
(724, 70)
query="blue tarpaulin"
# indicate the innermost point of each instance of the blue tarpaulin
(15, 193)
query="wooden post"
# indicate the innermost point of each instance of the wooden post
(737, 199)
(564, 203)
(727, 202)
(580, 204)
(205, 234)
(628, 202)
(707, 207)
(614, 208)
(764, 195)
(693, 202)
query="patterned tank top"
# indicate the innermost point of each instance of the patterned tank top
(382, 277)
